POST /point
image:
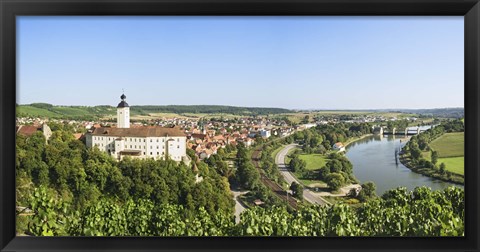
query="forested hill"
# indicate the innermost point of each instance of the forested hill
(76, 112)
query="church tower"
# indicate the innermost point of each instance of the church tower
(123, 113)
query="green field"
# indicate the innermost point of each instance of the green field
(449, 145)
(453, 164)
(314, 161)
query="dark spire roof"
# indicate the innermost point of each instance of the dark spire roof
(123, 103)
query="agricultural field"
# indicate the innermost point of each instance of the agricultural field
(454, 164)
(449, 145)
(450, 148)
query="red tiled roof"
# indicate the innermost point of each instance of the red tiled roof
(77, 135)
(201, 136)
(146, 131)
(27, 130)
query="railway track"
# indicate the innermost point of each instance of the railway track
(272, 185)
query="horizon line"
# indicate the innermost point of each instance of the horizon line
(294, 109)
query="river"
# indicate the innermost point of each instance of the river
(373, 159)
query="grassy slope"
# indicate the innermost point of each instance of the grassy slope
(33, 111)
(70, 111)
(450, 147)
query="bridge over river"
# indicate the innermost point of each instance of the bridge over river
(409, 131)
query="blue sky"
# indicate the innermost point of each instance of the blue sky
(287, 62)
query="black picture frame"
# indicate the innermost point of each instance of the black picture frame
(470, 9)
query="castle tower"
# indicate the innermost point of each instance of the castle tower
(123, 113)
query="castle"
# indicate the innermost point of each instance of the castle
(141, 142)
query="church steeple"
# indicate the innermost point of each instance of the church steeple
(123, 103)
(123, 113)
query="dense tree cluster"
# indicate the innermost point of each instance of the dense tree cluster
(81, 177)
(247, 175)
(398, 124)
(297, 190)
(296, 164)
(267, 162)
(320, 139)
(367, 191)
(337, 172)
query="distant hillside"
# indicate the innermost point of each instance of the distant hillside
(90, 113)
(440, 112)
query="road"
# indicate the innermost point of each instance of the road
(239, 208)
(280, 161)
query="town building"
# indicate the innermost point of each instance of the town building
(338, 147)
(28, 130)
(141, 142)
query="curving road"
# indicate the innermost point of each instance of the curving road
(280, 161)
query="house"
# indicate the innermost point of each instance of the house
(258, 202)
(265, 133)
(28, 130)
(338, 147)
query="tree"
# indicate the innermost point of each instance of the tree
(306, 119)
(368, 191)
(415, 152)
(297, 190)
(352, 193)
(335, 181)
(248, 176)
(434, 157)
(443, 168)
(334, 165)
(297, 165)
(323, 173)
(223, 169)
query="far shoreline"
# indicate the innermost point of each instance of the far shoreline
(403, 161)
(424, 171)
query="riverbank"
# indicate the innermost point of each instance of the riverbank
(352, 140)
(432, 173)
